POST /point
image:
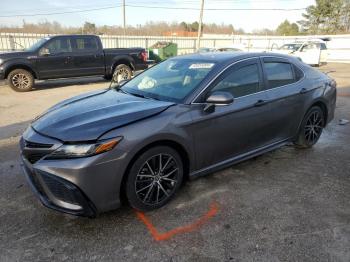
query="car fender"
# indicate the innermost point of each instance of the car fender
(19, 64)
(121, 59)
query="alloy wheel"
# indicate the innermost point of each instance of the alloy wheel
(20, 81)
(313, 127)
(122, 74)
(157, 179)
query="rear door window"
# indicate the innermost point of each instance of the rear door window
(278, 74)
(86, 44)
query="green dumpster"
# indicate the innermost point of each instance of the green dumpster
(162, 50)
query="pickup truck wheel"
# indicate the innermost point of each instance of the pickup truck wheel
(122, 72)
(21, 80)
(107, 77)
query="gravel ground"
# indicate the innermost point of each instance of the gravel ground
(287, 205)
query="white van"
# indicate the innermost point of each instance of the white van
(310, 52)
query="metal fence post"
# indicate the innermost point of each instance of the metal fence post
(146, 43)
(12, 42)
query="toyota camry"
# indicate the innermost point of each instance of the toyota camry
(183, 118)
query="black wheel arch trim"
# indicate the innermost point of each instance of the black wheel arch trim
(175, 143)
(123, 59)
(324, 107)
(8, 68)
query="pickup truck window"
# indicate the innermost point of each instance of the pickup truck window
(59, 45)
(86, 43)
(35, 46)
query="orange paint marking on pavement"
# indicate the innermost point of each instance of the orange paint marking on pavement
(214, 208)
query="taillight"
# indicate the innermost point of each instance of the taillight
(144, 56)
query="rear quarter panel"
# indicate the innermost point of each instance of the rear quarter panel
(320, 91)
(115, 56)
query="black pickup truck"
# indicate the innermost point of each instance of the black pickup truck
(66, 56)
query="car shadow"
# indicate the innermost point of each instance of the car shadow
(57, 83)
(13, 130)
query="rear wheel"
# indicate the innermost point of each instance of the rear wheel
(21, 80)
(311, 128)
(122, 72)
(154, 178)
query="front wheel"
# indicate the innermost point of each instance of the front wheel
(21, 80)
(310, 128)
(154, 178)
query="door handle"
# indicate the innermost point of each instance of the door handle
(261, 102)
(68, 58)
(303, 90)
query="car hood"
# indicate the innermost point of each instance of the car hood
(88, 116)
(17, 54)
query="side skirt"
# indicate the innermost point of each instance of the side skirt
(234, 160)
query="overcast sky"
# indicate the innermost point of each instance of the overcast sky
(112, 14)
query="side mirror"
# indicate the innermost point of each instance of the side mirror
(218, 98)
(44, 52)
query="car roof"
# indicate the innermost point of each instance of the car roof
(74, 35)
(222, 57)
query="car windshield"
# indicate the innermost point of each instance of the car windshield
(38, 44)
(171, 80)
(291, 47)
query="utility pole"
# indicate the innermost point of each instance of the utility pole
(124, 20)
(200, 25)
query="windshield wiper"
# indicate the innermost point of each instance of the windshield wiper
(120, 89)
(139, 95)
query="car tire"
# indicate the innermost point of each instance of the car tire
(121, 72)
(154, 178)
(20, 80)
(311, 128)
(107, 77)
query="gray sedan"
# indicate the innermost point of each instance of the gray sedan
(183, 118)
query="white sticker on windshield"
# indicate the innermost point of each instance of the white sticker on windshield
(201, 66)
(147, 83)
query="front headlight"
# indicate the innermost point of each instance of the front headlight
(83, 150)
(1, 61)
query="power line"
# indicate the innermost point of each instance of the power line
(218, 9)
(63, 12)
(137, 2)
(154, 7)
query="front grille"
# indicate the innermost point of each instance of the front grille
(30, 144)
(62, 191)
(34, 151)
(34, 157)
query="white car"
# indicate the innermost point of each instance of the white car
(310, 52)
